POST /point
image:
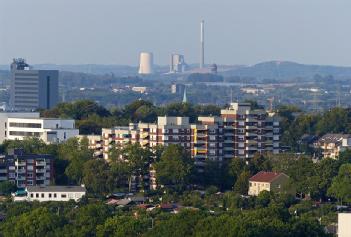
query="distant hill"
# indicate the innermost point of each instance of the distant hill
(118, 70)
(278, 70)
(281, 70)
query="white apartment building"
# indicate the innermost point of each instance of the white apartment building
(53, 193)
(17, 126)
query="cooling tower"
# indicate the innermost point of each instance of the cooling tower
(146, 63)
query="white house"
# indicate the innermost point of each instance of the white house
(344, 228)
(17, 126)
(52, 193)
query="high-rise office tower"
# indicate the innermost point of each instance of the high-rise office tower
(202, 42)
(32, 89)
(146, 63)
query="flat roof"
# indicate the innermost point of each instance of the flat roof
(56, 189)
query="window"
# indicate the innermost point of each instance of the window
(63, 195)
(55, 195)
(19, 133)
(31, 195)
(42, 195)
(37, 195)
(25, 125)
(49, 195)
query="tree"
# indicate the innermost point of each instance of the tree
(76, 152)
(120, 226)
(84, 220)
(341, 185)
(174, 168)
(39, 222)
(135, 160)
(97, 176)
(242, 184)
(7, 187)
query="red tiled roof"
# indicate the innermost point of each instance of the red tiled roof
(263, 176)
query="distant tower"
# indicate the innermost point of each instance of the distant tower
(185, 100)
(146, 63)
(177, 64)
(213, 68)
(202, 41)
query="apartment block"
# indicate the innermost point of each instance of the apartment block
(239, 132)
(248, 131)
(207, 140)
(26, 169)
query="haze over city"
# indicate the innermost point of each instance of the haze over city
(115, 32)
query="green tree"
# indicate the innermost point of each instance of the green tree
(76, 152)
(174, 168)
(120, 226)
(7, 187)
(39, 222)
(97, 176)
(242, 183)
(341, 185)
(136, 160)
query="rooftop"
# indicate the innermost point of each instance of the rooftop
(333, 137)
(266, 177)
(56, 189)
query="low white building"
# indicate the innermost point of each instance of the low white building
(52, 193)
(344, 227)
(17, 126)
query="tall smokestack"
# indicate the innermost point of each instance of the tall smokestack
(202, 41)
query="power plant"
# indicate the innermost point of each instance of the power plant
(177, 64)
(202, 42)
(146, 65)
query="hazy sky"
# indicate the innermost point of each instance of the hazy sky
(115, 31)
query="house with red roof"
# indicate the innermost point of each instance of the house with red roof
(267, 181)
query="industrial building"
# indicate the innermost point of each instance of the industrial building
(177, 63)
(32, 89)
(146, 65)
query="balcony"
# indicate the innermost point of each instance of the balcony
(20, 163)
(144, 135)
(21, 178)
(40, 163)
(21, 171)
(40, 170)
(251, 148)
(251, 127)
(2, 171)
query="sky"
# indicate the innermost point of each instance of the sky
(116, 31)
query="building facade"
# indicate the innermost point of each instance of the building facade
(32, 89)
(27, 169)
(53, 193)
(17, 126)
(332, 144)
(239, 132)
(267, 181)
